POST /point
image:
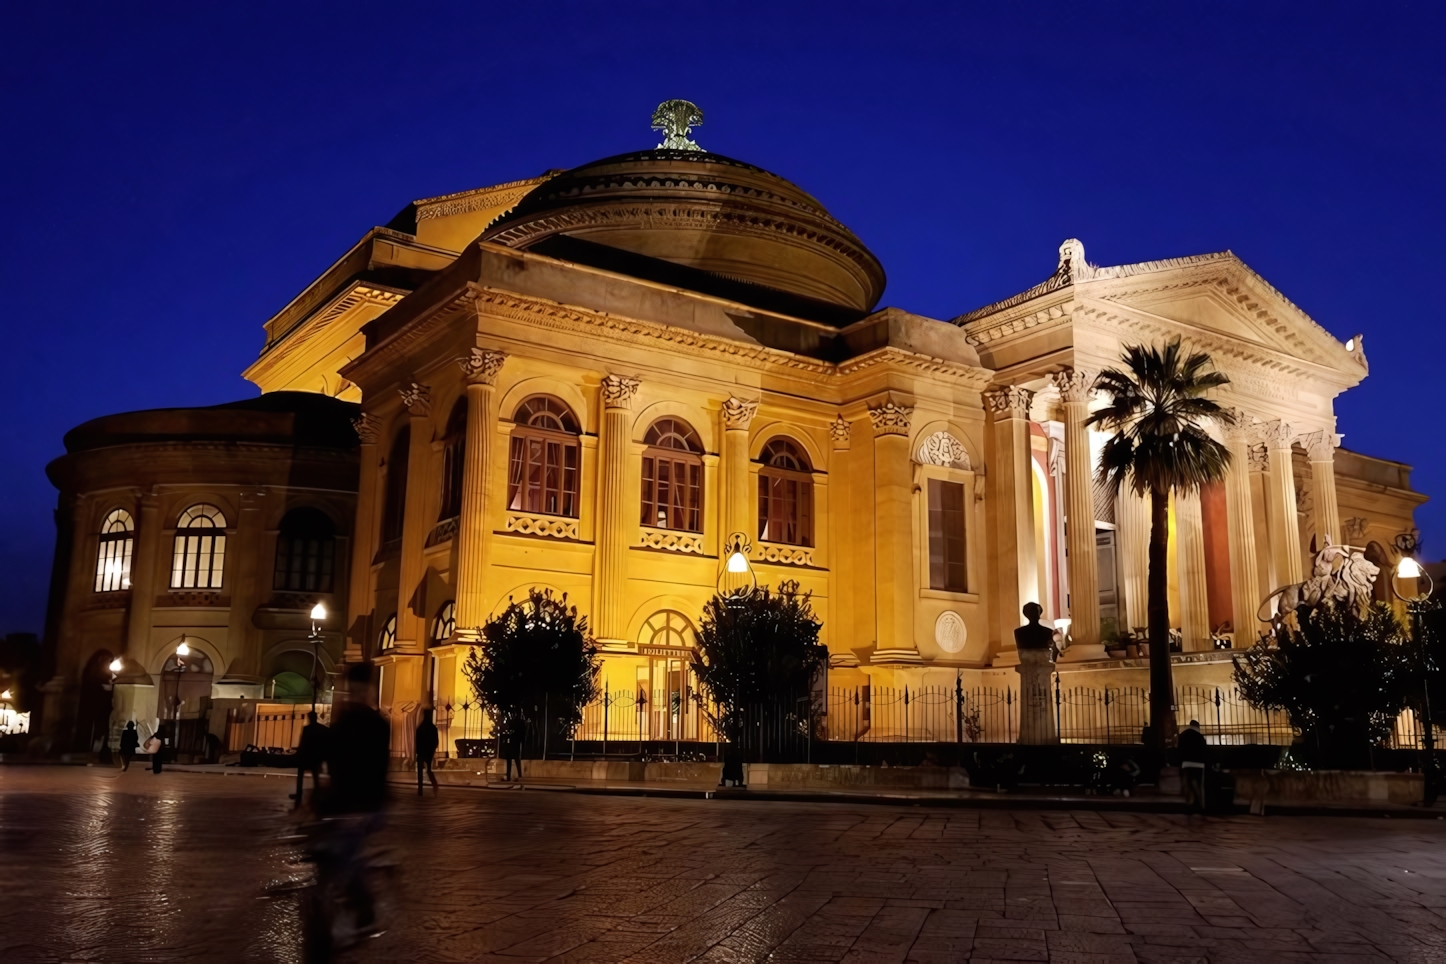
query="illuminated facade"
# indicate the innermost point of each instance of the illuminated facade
(587, 381)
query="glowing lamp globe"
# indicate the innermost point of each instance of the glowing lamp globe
(1408, 568)
(737, 562)
(318, 612)
(183, 649)
(116, 665)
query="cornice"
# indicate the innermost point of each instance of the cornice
(477, 199)
(1012, 322)
(976, 378)
(357, 295)
(397, 345)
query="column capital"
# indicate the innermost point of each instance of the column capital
(1258, 455)
(839, 430)
(1321, 446)
(1074, 385)
(417, 398)
(618, 391)
(1011, 401)
(891, 418)
(1275, 434)
(1241, 430)
(368, 428)
(738, 413)
(480, 366)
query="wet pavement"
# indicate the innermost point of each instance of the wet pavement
(96, 865)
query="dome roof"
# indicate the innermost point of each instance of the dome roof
(703, 211)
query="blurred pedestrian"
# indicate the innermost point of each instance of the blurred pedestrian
(424, 743)
(310, 755)
(130, 742)
(1192, 766)
(154, 746)
(512, 746)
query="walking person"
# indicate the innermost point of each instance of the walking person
(424, 744)
(130, 742)
(512, 747)
(310, 754)
(1192, 766)
(154, 746)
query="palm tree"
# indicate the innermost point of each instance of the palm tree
(1157, 407)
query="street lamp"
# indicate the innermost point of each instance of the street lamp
(1418, 603)
(736, 581)
(182, 651)
(318, 615)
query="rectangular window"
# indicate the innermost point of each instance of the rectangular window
(198, 561)
(672, 494)
(947, 567)
(113, 565)
(543, 477)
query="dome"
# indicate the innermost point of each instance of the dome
(703, 211)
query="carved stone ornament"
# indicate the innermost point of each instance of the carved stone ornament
(782, 554)
(552, 527)
(738, 413)
(950, 632)
(1241, 430)
(1355, 527)
(839, 430)
(941, 448)
(1276, 434)
(1321, 446)
(1074, 386)
(417, 398)
(618, 391)
(1009, 402)
(1259, 457)
(676, 119)
(481, 366)
(368, 428)
(671, 541)
(891, 418)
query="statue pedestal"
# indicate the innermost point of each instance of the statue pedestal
(1036, 697)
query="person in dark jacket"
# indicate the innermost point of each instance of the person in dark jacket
(511, 743)
(424, 743)
(1192, 765)
(129, 744)
(310, 755)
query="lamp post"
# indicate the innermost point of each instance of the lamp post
(736, 580)
(1418, 603)
(182, 651)
(318, 615)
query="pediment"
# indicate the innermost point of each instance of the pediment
(1230, 308)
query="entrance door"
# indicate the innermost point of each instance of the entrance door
(1108, 580)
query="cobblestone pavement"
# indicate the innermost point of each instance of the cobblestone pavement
(102, 866)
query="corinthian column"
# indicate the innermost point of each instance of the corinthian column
(610, 559)
(1010, 490)
(1190, 558)
(1280, 502)
(411, 628)
(480, 369)
(737, 514)
(1084, 594)
(1321, 447)
(894, 591)
(1240, 530)
(359, 603)
(1132, 516)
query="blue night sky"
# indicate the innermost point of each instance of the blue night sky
(173, 175)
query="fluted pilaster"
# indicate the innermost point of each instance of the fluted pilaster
(1240, 530)
(894, 592)
(737, 513)
(1190, 563)
(611, 557)
(1010, 489)
(1075, 388)
(411, 627)
(480, 368)
(1280, 501)
(1321, 447)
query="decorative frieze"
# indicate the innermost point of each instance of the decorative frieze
(891, 418)
(1074, 386)
(941, 448)
(551, 526)
(368, 428)
(618, 391)
(738, 413)
(782, 554)
(671, 541)
(1011, 401)
(480, 366)
(417, 398)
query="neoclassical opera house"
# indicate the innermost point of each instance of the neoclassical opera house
(588, 381)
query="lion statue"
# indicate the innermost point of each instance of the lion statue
(1340, 575)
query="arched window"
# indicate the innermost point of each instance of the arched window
(667, 628)
(673, 476)
(445, 623)
(785, 495)
(387, 638)
(199, 557)
(395, 505)
(113, 557)
(545, 461)
(454, 453)
(305, 552)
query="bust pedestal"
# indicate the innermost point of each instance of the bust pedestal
(1036, 696)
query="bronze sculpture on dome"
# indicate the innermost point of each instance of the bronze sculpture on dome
(676, 119)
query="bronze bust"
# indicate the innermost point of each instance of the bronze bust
(1032, 635)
